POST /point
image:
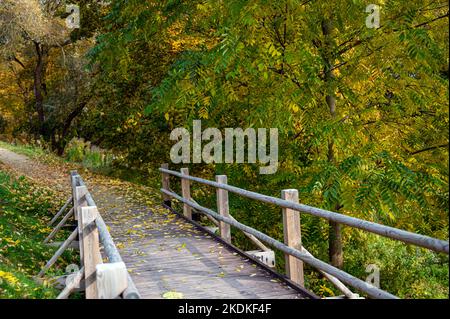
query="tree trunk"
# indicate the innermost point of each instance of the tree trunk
(39, 86)
(335, 251)
(62, 141)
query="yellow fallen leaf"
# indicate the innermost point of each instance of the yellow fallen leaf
(173, 295)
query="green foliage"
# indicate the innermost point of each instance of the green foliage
(75, 150)
(24, 212)
(406, 271)
(382, 156)
(79, 151)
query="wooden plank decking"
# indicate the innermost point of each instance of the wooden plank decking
(165, 253)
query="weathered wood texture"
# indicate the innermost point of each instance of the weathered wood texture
(112, 280)
(59, 226)
(292, 237)
(61, 211)
(58, 253)
(91, 248)
(386, 231)
(165, 182)
(72, 283)
(223, 209)
(80, 201)
(73, 245)
(357, 283)
(186, 191)
(108, 246)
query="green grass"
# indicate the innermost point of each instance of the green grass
(24, 212)
(28, 150)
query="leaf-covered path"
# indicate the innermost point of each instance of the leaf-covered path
(166, 255)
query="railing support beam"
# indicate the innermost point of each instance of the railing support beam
(80, 201)
(91, 247)
(292, 237)
(166, 185)
(59, 226)
(435, 244)
(186, 191)
(223, 208)
(61, 211)
(58, 253)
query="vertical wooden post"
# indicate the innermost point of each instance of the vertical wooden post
(80, 201)
(222, 208)
(292, 237)
(91, 249)
(186, 192)
(73, 181)
(166, 185)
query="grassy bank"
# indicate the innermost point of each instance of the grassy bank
(25, 210)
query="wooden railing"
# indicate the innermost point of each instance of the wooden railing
(292, 247)
(99, 280)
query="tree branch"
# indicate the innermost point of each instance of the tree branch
(428, 22)
(18, 61)
(429, 149)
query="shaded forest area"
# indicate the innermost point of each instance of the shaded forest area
(362, 113)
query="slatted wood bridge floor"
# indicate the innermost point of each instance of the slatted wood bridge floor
(165, 253)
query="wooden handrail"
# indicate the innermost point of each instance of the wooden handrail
(307, 258)
(106, 240)
(382, 230)
(294, 247)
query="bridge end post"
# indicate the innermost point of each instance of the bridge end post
(91, 249)
(166, 185)
(292, 237)
(186, 191)
(223, 208)
(80, 201)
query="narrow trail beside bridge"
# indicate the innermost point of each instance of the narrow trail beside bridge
(163, 252)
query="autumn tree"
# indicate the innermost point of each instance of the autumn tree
(38, 43)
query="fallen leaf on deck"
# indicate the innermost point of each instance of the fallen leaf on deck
(173, 295)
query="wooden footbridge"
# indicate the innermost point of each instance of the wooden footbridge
(210, 265)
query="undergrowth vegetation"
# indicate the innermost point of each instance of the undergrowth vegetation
(79, 151)
(25, 210)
